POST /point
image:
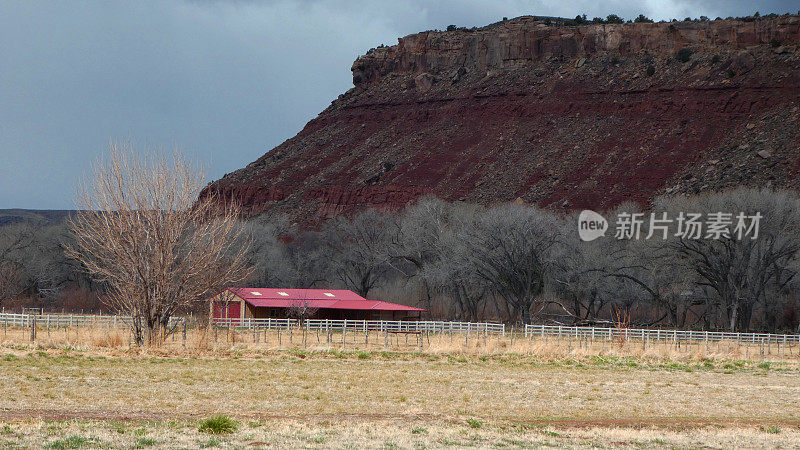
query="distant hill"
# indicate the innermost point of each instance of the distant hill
(37, 216)
(565, 117)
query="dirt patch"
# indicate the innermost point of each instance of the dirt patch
(674, 424)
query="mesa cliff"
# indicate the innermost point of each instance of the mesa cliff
(565, 117)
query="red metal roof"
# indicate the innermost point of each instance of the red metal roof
(315, 298)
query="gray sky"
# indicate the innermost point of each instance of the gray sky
(222, 81)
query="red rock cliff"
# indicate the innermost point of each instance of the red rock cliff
(564, 117)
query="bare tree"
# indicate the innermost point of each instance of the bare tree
(283, 256)
(580, 275)
(743, 274)
(361, 249)
(430, 235)
(32, 263)
(15, 241)
(142, 232)
(9, 281)
(511, 248)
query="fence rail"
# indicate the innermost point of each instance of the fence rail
(396, 326)
(61, 320)
(68, 320)
(392, 326)
(268, 324)
(534, 331)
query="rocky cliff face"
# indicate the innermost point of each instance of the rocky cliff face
(564, 117)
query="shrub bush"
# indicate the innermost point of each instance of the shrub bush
(220, 424)
(683, 55)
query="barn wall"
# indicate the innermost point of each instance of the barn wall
(233, 311)
(235, 308)
(333, 314)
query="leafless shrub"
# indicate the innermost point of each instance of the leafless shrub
(622, 321)
(301, 311)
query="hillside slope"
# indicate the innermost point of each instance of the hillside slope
(35, 216)
(564, 117)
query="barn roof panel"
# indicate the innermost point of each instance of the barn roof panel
(315, 298)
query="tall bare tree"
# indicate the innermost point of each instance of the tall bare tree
(361, 249)
(432, 232)
(743, 274)
(32, 263)
(14, 241)
(510, 247)
(142, 231)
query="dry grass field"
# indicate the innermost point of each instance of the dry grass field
(97, 392)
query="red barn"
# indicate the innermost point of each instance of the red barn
(262, 303)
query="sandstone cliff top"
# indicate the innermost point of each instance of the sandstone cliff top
(527, 40)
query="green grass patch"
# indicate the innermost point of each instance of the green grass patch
(474, 423)
(145, 442)
(220, 424)
(213, 442)
(74, 441)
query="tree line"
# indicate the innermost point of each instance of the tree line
(510, 262)
(519, 263)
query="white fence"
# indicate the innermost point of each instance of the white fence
(68, 320)
(62, 320)
(542, 331)
(262, 324)
(396, 326)
(392, 326)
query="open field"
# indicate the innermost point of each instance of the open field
(484, 396)
(384, 433)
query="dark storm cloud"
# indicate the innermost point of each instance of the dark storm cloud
(223, 81)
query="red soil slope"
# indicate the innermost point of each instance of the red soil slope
(564, 117)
